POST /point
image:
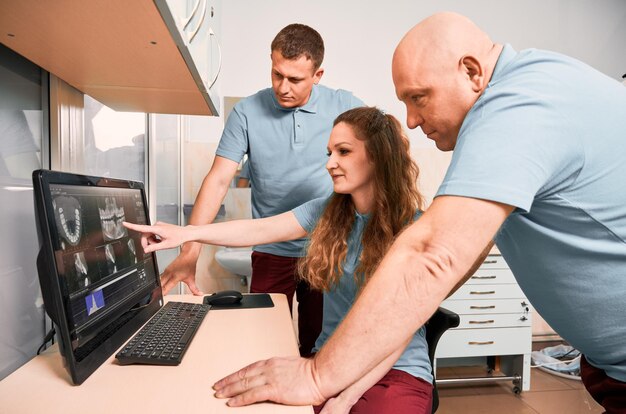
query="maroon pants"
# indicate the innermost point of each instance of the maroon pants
(277, 274)
(397, 392)
(608, 392)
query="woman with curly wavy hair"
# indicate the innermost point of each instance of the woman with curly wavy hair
(374, 197)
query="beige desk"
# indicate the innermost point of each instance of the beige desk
(226, 341)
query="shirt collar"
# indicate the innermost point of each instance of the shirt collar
(310, 106)
(364, 217)
(506, 56)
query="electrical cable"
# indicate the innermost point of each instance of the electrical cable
(49, 337)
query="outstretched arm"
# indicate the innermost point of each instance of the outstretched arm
(234, 233)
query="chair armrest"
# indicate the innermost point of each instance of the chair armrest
(442, 320)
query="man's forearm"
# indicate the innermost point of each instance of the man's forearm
(204, 211)
(420, 269)
(473, 269)
(390, 319)
(208, 201)
(210, 197)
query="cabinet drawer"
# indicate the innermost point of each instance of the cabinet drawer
(491, 276)
(483, 342)
(487, 291)
(494, 262)
(505, 320)
(472, 307)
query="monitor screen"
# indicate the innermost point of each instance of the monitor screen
(97, 283)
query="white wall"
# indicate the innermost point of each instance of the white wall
(360, 36)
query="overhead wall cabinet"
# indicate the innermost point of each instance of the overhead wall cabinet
(194, 26)
(129, 55)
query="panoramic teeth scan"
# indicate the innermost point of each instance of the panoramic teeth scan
(111, 218)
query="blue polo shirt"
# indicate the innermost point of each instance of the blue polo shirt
(339, 300)
(548, 136)
(286, 150)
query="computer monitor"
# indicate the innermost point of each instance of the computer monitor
(98, 285)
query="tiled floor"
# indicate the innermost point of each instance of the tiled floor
(548, 394)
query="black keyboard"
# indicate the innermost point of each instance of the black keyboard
(166, 337)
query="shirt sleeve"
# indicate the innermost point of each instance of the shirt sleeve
(234, 141)
(309, 213)
(356, 102)
(245, 172)
(513, 148)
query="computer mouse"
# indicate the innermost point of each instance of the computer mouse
(225, 297)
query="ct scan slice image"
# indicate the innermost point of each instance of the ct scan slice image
(81, 269)
(68, 217)
(111, 218)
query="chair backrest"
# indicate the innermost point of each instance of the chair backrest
(441, 321)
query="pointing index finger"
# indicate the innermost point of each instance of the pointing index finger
(136, 227)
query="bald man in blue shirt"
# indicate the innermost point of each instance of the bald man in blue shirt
(538, 166)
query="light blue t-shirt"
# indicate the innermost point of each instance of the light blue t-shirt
(339, 300)
(244, 172)
(548, 136)
(286, 152)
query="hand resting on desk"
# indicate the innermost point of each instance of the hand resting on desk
(283, 380)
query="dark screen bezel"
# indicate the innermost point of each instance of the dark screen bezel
(53, 291)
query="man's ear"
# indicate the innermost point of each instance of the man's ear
(318, 75)
(474, 71)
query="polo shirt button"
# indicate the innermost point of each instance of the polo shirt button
(298, 125)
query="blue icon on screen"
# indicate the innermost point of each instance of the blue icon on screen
(94, 301)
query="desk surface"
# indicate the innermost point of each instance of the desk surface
(226, 341)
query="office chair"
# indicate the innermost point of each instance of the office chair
(441, 321)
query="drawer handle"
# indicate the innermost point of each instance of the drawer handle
(482, 322)
(486, 292)
(484, 277)
(490, 262)
(481, 343)
(483, 307)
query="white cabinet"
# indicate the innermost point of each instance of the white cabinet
(128, 55)
(194, 26)
(495, 321)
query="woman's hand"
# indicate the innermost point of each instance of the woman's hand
(160, 236)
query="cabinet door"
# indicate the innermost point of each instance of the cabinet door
(197, 36)
(491, 277)
(484, 342)
(179, 10)
(483, 292)
(477, 307)
(194, 25)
